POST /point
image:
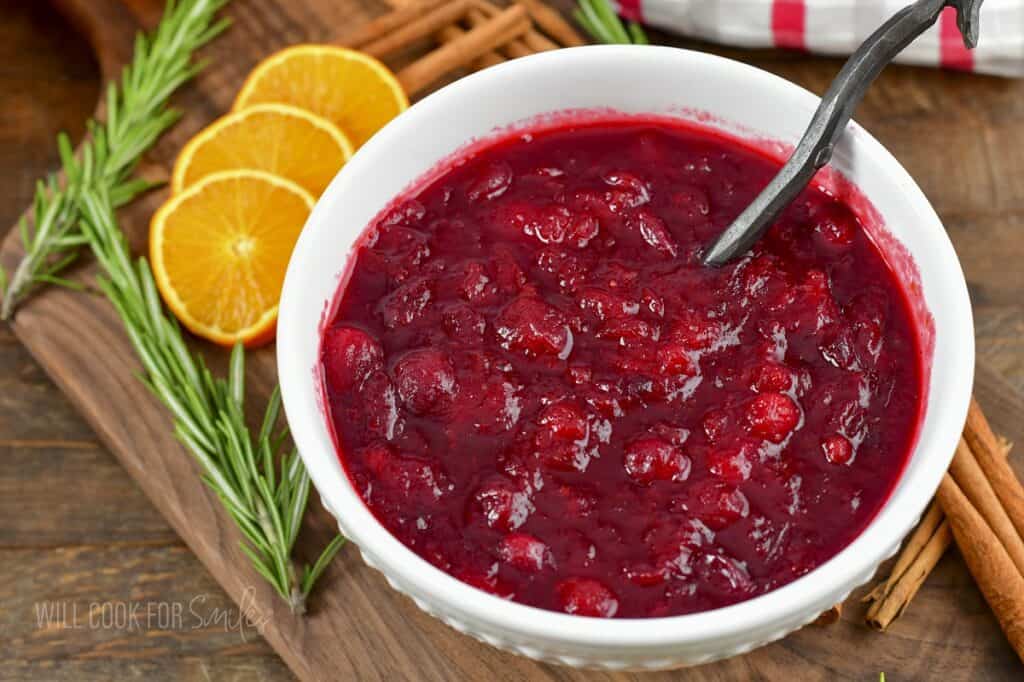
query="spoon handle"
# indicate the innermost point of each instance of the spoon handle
(829, 122)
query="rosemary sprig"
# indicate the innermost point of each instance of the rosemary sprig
(262, 484)
(599, 20)
(136, 115)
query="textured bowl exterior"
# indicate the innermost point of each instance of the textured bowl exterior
(600, 658)
(727, 95)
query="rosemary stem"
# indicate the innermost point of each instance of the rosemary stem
(291, 591)
(17, 287)
(296, 598)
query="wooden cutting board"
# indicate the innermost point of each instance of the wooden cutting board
(359, 628)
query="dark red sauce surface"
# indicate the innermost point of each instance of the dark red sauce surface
(536, 386)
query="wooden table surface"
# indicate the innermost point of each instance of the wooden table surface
(75, 530)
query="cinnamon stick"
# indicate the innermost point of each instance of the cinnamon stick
(553, 24)
(510, 23)
(926, 528)
(418, 28)
(920, 554)
(531, 42)
(516, 49)
(512, 49)
(831, 616)
(539, 43)
(450, 33)
(389, 22)
(985, 446)
(986, 558)
(896, 600)
(968, 475)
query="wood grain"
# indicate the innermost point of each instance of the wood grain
(359, 628)
(32, 410)
(106, 507)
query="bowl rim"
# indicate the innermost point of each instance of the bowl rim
(418, 577)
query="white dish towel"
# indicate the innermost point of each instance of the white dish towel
(839, 26)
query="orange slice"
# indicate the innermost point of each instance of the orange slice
(219, 252)
(277, 138)
(350, 89)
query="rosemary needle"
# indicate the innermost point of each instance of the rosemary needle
(599, 20)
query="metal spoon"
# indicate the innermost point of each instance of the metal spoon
(834, 112)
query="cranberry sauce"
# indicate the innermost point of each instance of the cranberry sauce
(536, 386)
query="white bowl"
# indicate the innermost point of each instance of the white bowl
(720, 93)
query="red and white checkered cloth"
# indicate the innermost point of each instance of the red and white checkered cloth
(839, 26)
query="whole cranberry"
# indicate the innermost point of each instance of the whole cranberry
(350, 355)
(715, 423)
(586, 597)
(524, 552)
(564, 420)
(837, 449)
(770, 376)
(717, 505)
(772, 416)
(420, 483)
(486, 581)
(425, 380)
(652, 459)
(503, 506)
(562, 437)
(407, 303)
(531, 326)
